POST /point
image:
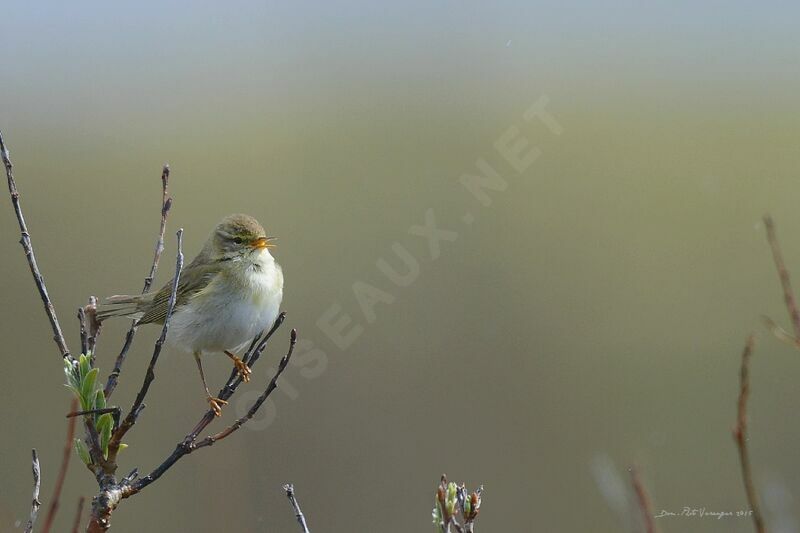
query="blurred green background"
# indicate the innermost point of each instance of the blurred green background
(591, 317)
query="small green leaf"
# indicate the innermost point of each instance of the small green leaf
(70, 372)
(87, 389)
(99, 400)
(104, 426)
(84, 365)
(83, 452)
(122, 446)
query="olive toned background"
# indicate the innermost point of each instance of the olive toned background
(590, 318)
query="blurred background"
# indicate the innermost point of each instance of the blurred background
(591, 317)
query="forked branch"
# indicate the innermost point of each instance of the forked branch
(190, 443)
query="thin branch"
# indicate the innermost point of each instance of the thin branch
(643, 498)
(234, 380)
(783, 274)
(62, 472)
(25, 241)
(138, 403)
(301, 519)
(76, 524)
(166, 204)
(37, 483)
(84, 330)
(189, 444)
(740, 435)
(93, 325)
(104, 410)
(211, 439)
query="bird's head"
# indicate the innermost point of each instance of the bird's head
(238, 236)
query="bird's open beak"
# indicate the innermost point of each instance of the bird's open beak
(263, 242)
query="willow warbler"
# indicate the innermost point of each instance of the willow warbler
(229, 293)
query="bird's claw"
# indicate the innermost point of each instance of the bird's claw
(241, 367)
(216, 404)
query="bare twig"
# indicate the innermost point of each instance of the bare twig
(76, 524)
(166, 204)
(90, 310)
(84, 330)
(780, 333)
(301, 519)
(138, 403)
(62, 472)
(189, 444)
(740, 435)
(25, 241)
(643, 499)
(104, 410)
(783, 274)
(37, 483)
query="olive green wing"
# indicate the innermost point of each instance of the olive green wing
(194, 279)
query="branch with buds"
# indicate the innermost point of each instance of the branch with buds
(104, 425)
(452, 502)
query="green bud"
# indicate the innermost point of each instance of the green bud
(83, 452)
(99, 400)
(104, 426)
(84, 365)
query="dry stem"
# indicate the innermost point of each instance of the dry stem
(62, 472)
(37, 483)
(166, 204)
(301, 519)
(27, 245)
(783, 274)
(643, 498)
(740, 435)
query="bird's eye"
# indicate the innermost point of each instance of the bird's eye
(238, 240)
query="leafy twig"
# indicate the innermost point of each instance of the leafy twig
(301, 519)
(166, 204)
(25, 241)
(37, 483)
(452, 500)
(740, 435)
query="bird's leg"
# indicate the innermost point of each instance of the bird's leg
(240, 365)
(215, 403)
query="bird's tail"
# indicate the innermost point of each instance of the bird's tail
(120, 305)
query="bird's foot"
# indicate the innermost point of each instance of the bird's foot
(216, 404)
(241, 367)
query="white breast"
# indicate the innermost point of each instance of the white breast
(232, 310)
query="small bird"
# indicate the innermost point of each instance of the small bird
(228, 294)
